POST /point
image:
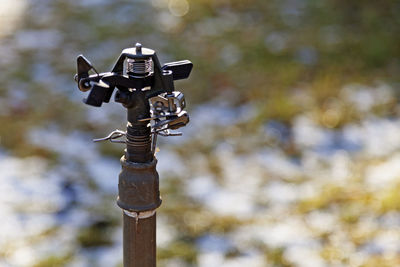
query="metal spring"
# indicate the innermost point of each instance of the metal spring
(142, 66)
(138, 141)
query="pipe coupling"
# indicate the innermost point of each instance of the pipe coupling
(138, 186)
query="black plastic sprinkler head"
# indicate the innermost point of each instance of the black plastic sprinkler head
(138, 69)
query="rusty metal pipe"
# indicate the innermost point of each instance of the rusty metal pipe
(138, 192)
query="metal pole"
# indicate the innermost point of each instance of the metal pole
(139, 241)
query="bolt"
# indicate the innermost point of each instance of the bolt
(138, 48)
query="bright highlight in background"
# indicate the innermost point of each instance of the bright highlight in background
(10, 14)
(178, 8)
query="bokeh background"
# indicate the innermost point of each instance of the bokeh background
(291, 157)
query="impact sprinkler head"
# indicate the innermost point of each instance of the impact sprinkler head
(138, 76)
